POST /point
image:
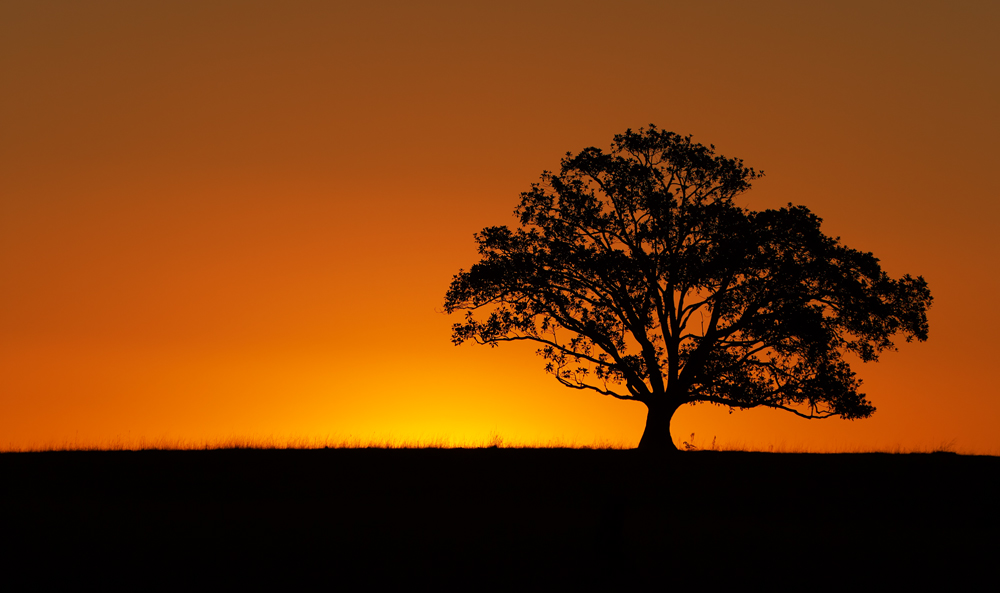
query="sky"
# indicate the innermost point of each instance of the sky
(232, 219)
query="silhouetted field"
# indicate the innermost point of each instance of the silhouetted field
(486, 518)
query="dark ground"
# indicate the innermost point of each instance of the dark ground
(495, 518)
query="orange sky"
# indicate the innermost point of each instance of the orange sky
(240, 218)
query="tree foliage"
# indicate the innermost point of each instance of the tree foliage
(639, 277)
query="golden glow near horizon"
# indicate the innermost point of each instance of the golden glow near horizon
(238, 218)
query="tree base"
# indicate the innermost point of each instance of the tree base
(656, 437)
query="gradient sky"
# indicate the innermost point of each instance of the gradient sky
(240, 218)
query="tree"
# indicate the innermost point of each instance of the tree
(640, 278)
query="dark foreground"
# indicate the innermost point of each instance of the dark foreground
(476, 519)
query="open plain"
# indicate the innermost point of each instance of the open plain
(489, 518)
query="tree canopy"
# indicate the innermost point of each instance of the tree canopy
(640, 278)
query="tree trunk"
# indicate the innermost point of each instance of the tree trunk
(657, 437)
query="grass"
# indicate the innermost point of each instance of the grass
(461, 514)
(494, 440)
(692, 444)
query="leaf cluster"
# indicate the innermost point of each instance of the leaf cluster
(639, 277)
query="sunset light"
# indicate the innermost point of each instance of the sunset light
(225, 220)
(406, 295)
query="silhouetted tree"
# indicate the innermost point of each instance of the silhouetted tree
(640, 278)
